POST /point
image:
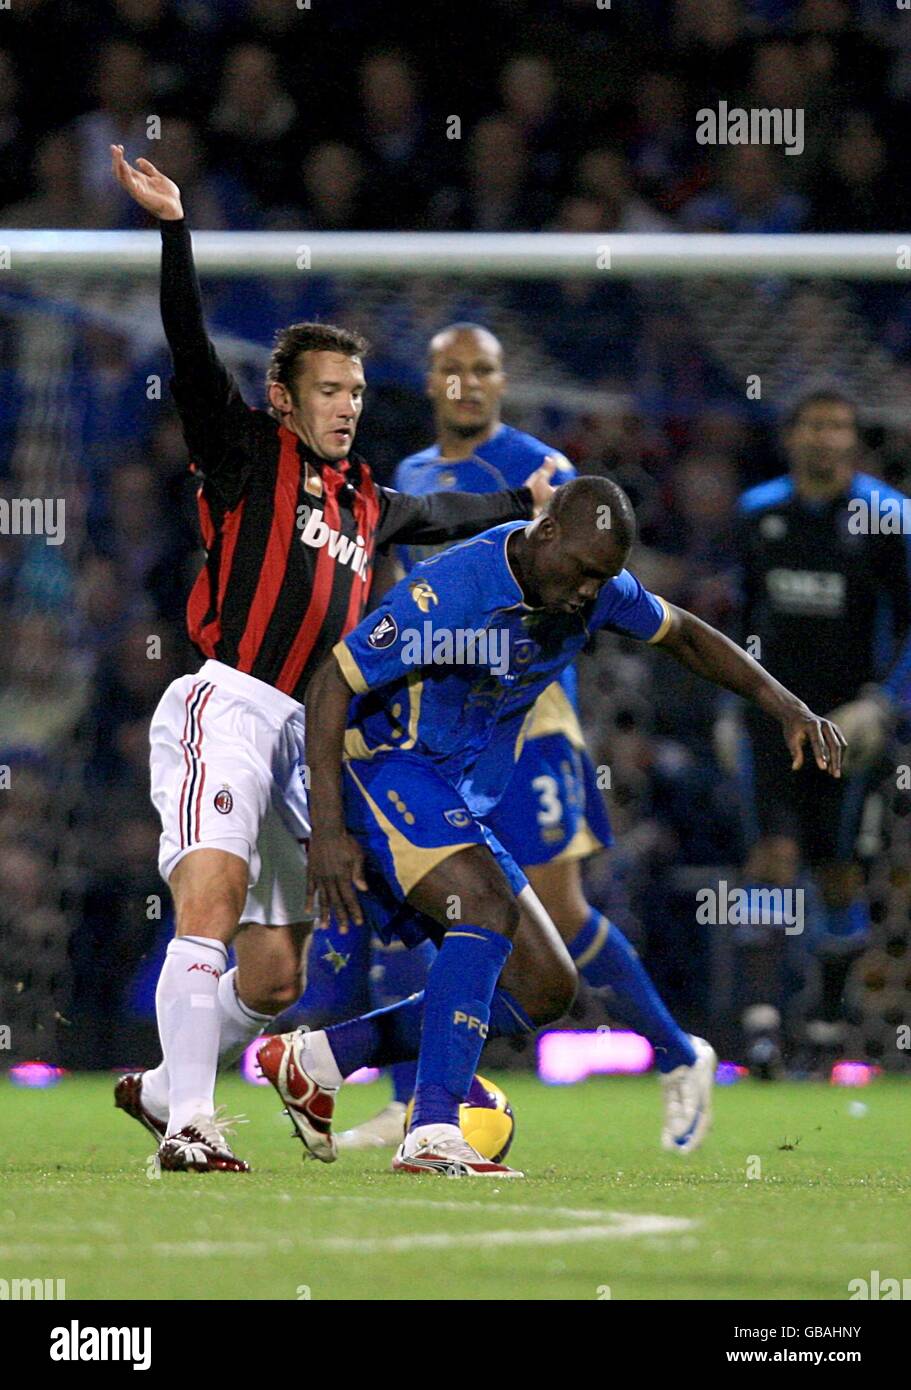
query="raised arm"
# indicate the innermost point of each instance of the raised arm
(710, 654)
(208, 398)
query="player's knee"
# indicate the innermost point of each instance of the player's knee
(503, 916)
(553, 991)
(272, 997)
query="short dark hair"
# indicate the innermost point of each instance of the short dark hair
(821, 395)
(298, 338)
(580, 499)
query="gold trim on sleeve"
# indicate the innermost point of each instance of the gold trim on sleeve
(349, 668)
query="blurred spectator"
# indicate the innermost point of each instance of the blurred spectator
(528, 87)
(332, 182)
(496, 196)
(212, 198)
(46, 691)
(399, 150)
(604, 174)
(14, 144)
(699, 529)
(253, 121)
(751, 196)
(856, 190)
(667, 162)
(121, 118)
(58, 198)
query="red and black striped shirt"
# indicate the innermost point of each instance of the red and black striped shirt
(290, 539)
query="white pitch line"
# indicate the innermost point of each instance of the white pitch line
(625, 1225)
(501, 1208)
(595, 1225)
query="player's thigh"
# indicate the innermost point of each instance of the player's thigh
(209, 888)
(211, 785)
(560, 889)
(271, 962)
(472, 888)
(468, 888)
(540, 972)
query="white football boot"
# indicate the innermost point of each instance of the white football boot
(442, 1149)
(382, 1131)
(687, 1094)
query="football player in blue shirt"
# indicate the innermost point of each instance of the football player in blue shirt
(553, 817)
(825, 588)
(404, 775)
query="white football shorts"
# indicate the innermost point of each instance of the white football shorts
(228, 772)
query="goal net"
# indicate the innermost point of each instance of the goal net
(664, 361)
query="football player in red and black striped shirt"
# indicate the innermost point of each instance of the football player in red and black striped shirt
(291, 521)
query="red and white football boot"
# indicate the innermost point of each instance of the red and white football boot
(201, 1147)
(128, 1098)
(309, 1105)
(442, 1149)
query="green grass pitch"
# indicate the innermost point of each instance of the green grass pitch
(799, 1189)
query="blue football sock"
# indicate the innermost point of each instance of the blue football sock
(507, 1017)
(391, 1036)
(404, 1077)
(605, 957)
(458, 996)
(378, 1039)
(396, 973)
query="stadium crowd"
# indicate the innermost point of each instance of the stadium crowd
(577, 119)
(575, 116)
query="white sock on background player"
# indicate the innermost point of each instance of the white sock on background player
(186, 1002)
(238, 1026)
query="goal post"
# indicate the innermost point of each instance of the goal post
(513, 255)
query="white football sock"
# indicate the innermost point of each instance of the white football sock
(186, 1002)
(318, 1060)
(238, 1026)
(239, 1023)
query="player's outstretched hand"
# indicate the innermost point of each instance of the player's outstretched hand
(539, 482)
(335, 870)
(827, 742)
(147, 186)
(866, 723)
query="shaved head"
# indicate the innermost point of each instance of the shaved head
(589, 506)
(465, 382)
(473, 333)
(580, 541)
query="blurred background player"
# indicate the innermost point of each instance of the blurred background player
(553, 816)
(826, 593)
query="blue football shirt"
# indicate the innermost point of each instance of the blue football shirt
(452, 661)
